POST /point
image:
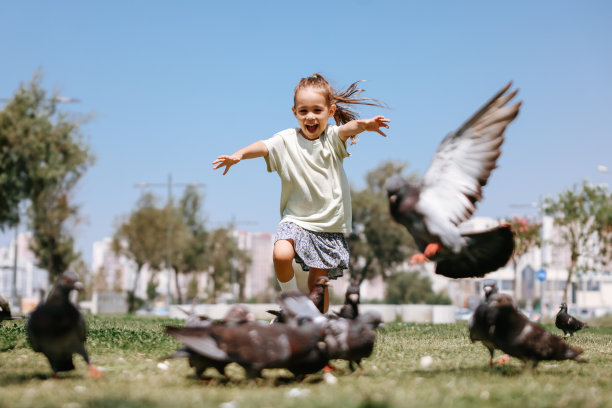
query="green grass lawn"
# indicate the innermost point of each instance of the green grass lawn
(127, 349)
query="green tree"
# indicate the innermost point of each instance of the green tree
(377, 244)
(583, 216)
(229, 263)
(189, 236)
(526, 236)
(413, 287)
(142, 238)
(42, 157)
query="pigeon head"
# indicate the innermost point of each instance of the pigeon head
(239, 314)
(322, 282)
(563, 307)
(490, 288)
(66, 283)
(402, 196)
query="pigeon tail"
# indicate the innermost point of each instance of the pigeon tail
(485, 252)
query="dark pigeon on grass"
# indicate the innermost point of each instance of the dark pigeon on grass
(317, 294)
(347, 339)
(352, 339)
(480, 323)
(567, 323)
(513, 333)
(350, 308)
(256, 347)
(236, 315)
(5, 311)
(57, 329)
(446, 197)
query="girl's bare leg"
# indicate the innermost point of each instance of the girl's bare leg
(312, 278)
(283, 255)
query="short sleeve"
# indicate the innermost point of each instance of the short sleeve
(275, 146)
(336, 143)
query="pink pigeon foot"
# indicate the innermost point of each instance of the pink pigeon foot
(417, 258)
(431, 250)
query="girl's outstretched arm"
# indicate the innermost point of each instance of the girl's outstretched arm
(354, 127)
(257, 149)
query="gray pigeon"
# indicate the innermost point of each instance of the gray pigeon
(569, 324)
(5, 311)
(57, 329)
(256, 347)
(350, 308)
(514, 334)
(434, 209)
(237, 314)
(480, 323)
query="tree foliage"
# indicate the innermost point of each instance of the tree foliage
(42, 157)
(583, 214)
(377, 244)
(141, 237)
(413, 287)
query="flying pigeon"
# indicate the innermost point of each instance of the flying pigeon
(480, 323)
(567, 323)
(256, 347)
(237, 314)
(433, 210)
(350, 308)
(515, 335)
(5, 311)
(57, 329)
(317, 294)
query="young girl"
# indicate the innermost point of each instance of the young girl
(315, 193)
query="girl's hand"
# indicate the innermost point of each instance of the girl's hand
(227, 161)
(374, 124)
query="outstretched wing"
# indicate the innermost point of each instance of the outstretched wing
(464, 160)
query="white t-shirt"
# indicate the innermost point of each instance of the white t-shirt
(315, 192)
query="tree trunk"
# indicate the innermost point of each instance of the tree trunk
(178, 288)
(132, 293)
(570, 272)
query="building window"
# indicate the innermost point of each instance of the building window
(507, 284)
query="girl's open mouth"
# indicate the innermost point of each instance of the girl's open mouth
(312, 128)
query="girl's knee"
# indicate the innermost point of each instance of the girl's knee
(283, 251)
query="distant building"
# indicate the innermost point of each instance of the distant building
(31, 280)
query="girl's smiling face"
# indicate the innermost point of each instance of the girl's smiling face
(312, 111)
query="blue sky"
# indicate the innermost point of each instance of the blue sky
(175, 84)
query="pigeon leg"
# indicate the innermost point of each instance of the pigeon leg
(431, 249)
(417, 258)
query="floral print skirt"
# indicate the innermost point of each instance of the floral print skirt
(324, 250)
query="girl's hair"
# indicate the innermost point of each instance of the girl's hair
(342, 99)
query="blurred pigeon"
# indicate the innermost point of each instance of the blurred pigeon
(57, 329)
(237, 314)
(296, 308)
(350, 308)
(255, 347)
(513, 333)
(433, 210)
(480, 322)
(347, 339)
(352, 339)
(317, 294)
(5, 311)
(568, 323)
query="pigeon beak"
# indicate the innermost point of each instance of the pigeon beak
(78, 286)
(393, 198)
